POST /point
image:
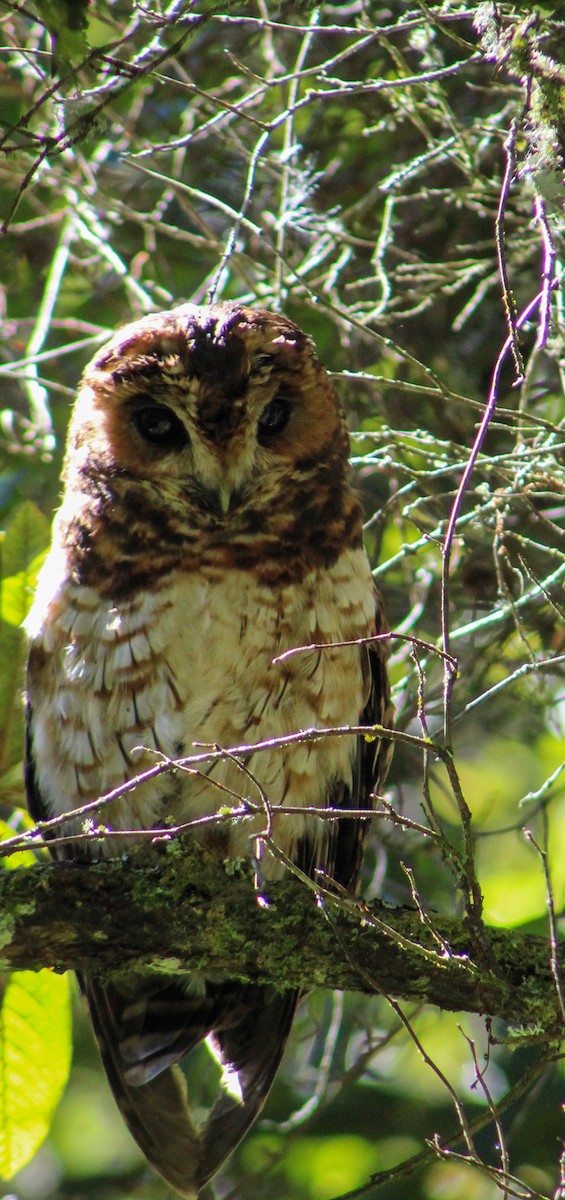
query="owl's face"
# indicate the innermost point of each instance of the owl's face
(205, 438)
(213, 400)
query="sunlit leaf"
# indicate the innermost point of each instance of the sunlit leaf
(20, 858)
(35, 1057)
(22, 550)
(25, 538)
(18, 590)
(12, 653)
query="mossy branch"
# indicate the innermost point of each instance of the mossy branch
(185, 911)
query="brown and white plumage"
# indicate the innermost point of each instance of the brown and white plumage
(207, 526)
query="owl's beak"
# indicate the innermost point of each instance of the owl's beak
(224, 494)
(220, 499)
(219, 492)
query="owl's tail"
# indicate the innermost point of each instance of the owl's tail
(144, 1029)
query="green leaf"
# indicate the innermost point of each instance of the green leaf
(26, 536)
(18, 590)
(20, 858)
(35, 1058)
(11, 704)
(23, 552)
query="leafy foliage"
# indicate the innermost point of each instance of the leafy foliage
(34, 1033)
(391, 175)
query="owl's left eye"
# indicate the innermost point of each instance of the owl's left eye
(274, 418)
(157, 424)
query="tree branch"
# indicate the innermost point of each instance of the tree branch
(183, 910)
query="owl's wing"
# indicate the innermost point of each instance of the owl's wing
(344, 847)
(36, 807)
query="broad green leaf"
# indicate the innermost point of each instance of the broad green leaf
(25, 538)
(35, 1059)
(18, 591)
(12, 655)
(21, 552)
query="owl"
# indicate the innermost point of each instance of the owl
(207, 527)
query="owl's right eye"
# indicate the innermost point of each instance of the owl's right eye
(156, 424)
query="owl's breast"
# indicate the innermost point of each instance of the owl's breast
(196, 664)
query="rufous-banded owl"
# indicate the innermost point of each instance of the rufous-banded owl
(208, 526)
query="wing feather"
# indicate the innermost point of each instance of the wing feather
(370, 768)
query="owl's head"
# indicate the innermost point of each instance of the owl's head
(205, 438)
(211, 399)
